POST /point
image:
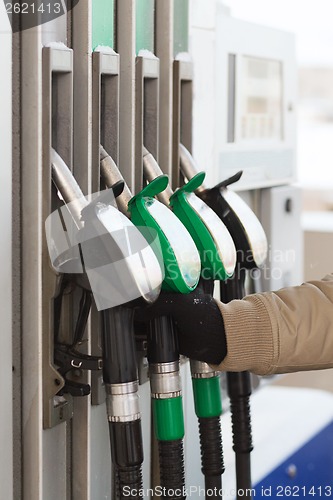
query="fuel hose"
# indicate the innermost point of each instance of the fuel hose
(239, 391)
(122, 399)
(208, 409)
(163, 358)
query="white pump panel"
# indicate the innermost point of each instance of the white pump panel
(281, 220)
(256, 85)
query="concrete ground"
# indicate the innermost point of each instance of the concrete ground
(319, 379)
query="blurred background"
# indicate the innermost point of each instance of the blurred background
(312, 27)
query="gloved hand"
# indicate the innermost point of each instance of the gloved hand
(198, 322)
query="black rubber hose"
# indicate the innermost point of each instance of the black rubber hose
(120, 367)
(127, 457)
(172, 474)
(162, 341)
(243, 472)
(212, 465)
(239, 391)
(119, 355)
(239, 388)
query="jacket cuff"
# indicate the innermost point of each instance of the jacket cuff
(252, 336)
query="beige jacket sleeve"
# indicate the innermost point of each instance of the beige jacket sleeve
(278, 332)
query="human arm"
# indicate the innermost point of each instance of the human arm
(284, 331)
(279, 332)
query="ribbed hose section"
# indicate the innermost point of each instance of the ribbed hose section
(129, 482)
(115, 492)
(242, 439)
(241, 424)
(212, 465)
(127, 458)
(171, 454)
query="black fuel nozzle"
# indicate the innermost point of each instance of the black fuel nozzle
(217, 199)
(251, 247)
(242, 223)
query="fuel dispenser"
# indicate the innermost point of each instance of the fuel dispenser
(117, 73)
(239, 385)
(212, 238)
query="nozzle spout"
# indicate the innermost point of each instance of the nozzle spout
(68, 187)
(188, 166)
(111, 174)
(151, 170)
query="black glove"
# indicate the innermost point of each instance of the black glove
(198, 322)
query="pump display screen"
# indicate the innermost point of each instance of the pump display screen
(260, 99)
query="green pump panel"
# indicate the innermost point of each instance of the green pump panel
(181, 26)
(103, 23)
(145, 19)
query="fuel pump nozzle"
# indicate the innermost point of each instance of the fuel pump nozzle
(182, 270)
(218, 259)
(243, 225)
(106, 238)
(251, 245)
(110, 175)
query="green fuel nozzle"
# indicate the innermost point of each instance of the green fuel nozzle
(213, 241)
(182, 271)
(242, 223)
(181, 259)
